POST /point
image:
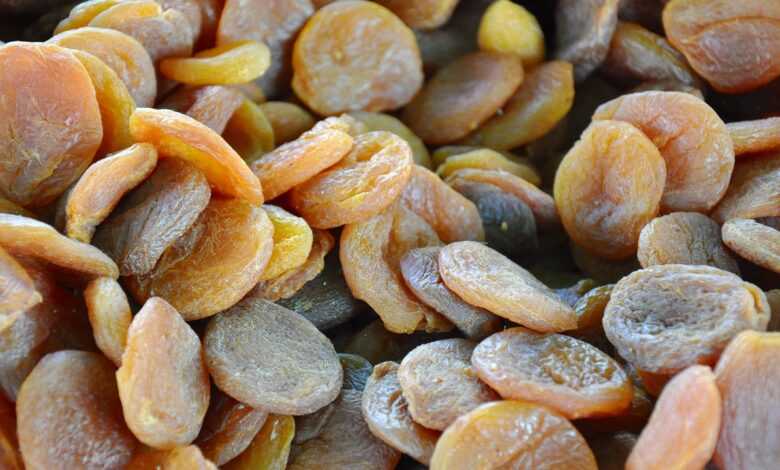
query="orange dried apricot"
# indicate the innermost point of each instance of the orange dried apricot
(487, 159)
(270, 448)
(292, 242)
(212, 106)
(9, 207)
(249, 132)
(386, 122)
(178, 458)
(422, 14)
(371, 64)
(463, 95)
(81, 14)
(109, 315)
(509, 28)
(668, 85)
(231, 63)
(590, 312)
(754, 241)
(288, 120)
(163, 382)
(583, 32)
(17, 290)
(755, 136)
(228, 428)
(754, 190)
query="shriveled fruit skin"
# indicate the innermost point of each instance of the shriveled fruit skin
(126, 56)
(684, 238)
(296, 162)
(485, 278)
(228, 429)
(746, 375)
(699, 159)
(453, 216)
(270, 448)
(293, 240)
(422, 14)
(386, 413)
(420, 270)
(754, 190)
(288, 120)
(755, 136)
(212, 266)
(178, 458)
(272, 358)
(69, 414)
(562, 373)
(249, 131)
(17, 290)
(163, 382)
(227, 64)
(488, 159)
(152, 217)
(463, 95)
(345, 442)
(754, 241)
(509, 28)
(52, 122)
(583, 32)
(389, 123)
(370, 254)
(100, 188)
(512, 434)
(210, 105)
(176, 135)
(608, 186)
(372, 64)
(109, 315)
(80, 15)
(683, 429)
(544, 98)
(590, 311)
(733, 46)
(439, 383)
(668, 317)
(364, 183)
(275, 23)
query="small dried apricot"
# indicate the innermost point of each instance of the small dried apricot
(509, 28)
(270, 448)
(109, 315)
(583, 32)
(292, 242)
(487, 159)
(235, 62)
(228, 428)
(754, 241)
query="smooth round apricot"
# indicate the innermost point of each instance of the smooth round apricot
(270, 449)
(509, 28)
(487, 159)
(231, 63)
(583, 31)
(608, 186)
(212, 105)
(463, 95)
(109, 315)
(386, 122)
(228, 428)
(292, 242)
(288, 120)
(422, 14)
(699, 159)
(754, 190)
(754, 241)
(249, 131)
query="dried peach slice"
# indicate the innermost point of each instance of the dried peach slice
(232, 63)
(292, 242)
(109, 315)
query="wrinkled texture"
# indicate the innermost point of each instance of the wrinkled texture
(754, 190)
(17, 290)
(386, 122)
(485, 158)
(228, 429)
(754, 241)
(584, 30)
(210, 105)
(755, 136)
(270, 448)
(109, 315)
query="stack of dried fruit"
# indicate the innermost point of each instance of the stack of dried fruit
(552, 253)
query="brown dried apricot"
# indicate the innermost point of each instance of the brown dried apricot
(583, 32)
(487, 159)
(746, 376)
(684, 238)
(755, 136)
(754, 241)
(562, 373)
(212, 106)
(608, 186)
(372, 64)
(422, 14)
(270, 448)
(363, 184)
(178, 458)
(463, 95)
(214, 264)
(754, 190)
(176, 135)
(665, 318)
(231, 63)
(292, 242)
(612, 449)
(69, 415)
(52, 122)
(288, 120)
(249, 132)
(272, 358)
(17, 290)
(590, 312)
(163, 382)
(228, 429)
(109, 315)
(386, 413)
(512, 434)
(386, 122)
(509, 28)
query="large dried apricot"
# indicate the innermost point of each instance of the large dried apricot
(270, 448)
(584, 30)
(228, 428)
(210, 105)
(292, 242)
(231, 63)
(109, 315)
(509, 28)
(754, 241)
(754, 190)
(755, 136)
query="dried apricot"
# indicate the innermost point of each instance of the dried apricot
(81, 14)
(272, 358)
(109, 315)
(192, 10)
(512, 434)
(755, 136)
(228, 429)
(754, 241)
(665, 318)
(292, 242)
(386, 122)
(668, 85)
(178, 458)
(163, 382)
(270, 448)
(52, 122)
(288, 120)
(699, 159)
(487, 159)
(463, 95)
(509, 28)
(17, 290)
(684, 238)
(249, 132)
(583, 32)
(754, 190)
(422, 14)
(212, 106)
(608, 187)
(363, 184)
(235, 62)
(590, 312)
(372, 64)
(69, 415)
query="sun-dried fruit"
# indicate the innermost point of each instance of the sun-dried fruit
(230, 63)
(422, 14)
(373, 64)
(163, 382)
(270, 448)
(178, 458)
(363, 184)
(81, 14)
(463, 95)
(17, 290)
(608, 187)
(293, 240)
(583, 32)
(590, 310)
(512, 434)
(754, 241)
(754, 190)
(249, 132)
(214, 264)
(668, 317)
(9, 207)
(272, 358)
(176, 135)
(69, 414)
(509, 28)
(387, 415)
(52, 126)
(288, 120)
(746, 376)
(109, 315)
(755, 136)
(386, 122)
(487, 159)
(126, 56)
(212, 106)
(668, 85)
(228, 429)
(684, 238)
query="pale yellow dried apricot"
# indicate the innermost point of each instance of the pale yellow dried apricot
(509, 28)
(231, 63)
(249, 132)
(81, 14)
(292, 242)
(288, 120)
(487, 159)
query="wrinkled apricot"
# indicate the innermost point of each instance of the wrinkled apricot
(249, 132)
(754, 241)
(178, 458)
(163, 382)
(583, 32)
(235, 62)
(288, 120)
(668, 85)
(755, 136)
(372, 64)
(109, 315)
(463, 95)
(386, 122)
(17, 290)
(292, 242)
(81, 14)
(487, 159)
(509, 28)
(270, 448)
(212, 106)
(754, 190)
(590, 311)
(228, 428)
(668, 317)
(422, 14)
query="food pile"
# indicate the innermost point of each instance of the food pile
(313, 234)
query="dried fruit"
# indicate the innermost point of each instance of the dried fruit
(228, 429)
(386, 122)
(755, 136)
(270, 448)
(509, 28)
(249, 132)
(754, 241)
(292, 242)
(422, 14)
(487, 159)
(109, 315)
(583, 32)
(754, 190)
(288, 120)
(231, 63)
(212, 106)
(178, 458)
(81, 14)
(17, 290)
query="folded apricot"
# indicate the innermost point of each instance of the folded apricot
(292, 242)
(109, 315)
(754, 241)
(231, 63)
(270, 448)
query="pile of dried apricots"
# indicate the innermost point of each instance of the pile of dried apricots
(351, 234)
